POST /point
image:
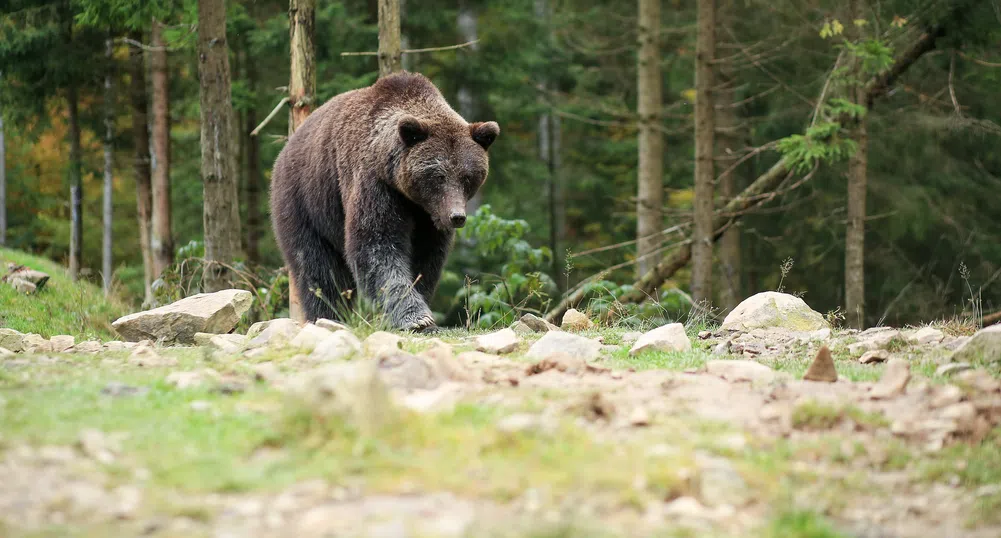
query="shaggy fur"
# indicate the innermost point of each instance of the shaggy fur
(367, 194)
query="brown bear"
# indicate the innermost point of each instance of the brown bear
(367, 194)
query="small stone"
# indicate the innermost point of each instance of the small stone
(740, 370)
(521, 329)
(820, 335)
(330, 325)
(309, 337)
(217, 313)
(874, 356)
(688, 511)
(117, 389)
(538, 324)
(704, 335)
(875, 338)
(894, 380)
(571, 344)
(61, 342)
(146, 356)
(340, 345)
(227, 343)
(381, 343)
(926, 336)
(953, 368)
(118, 345)
(273, 333)
(448, 367)
(11, 340)
(90, 346)
(499, 342)
(631, 337)
(439, 400)
(822, 368)
(639, 417)
(34, 343)
(670, 337)
(722, 348)
(575, 320)
(200, 405)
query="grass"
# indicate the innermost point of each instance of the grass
(61, 307)
(801, 524)
(974, 466)
(812, 415)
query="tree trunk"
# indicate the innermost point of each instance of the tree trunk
(390, 50)
(163, 241)
(650, 191)
(855, 234)
(730, 139)
(702, 231)
(76, 184)
(253, 178)
(3, 188)
(302, 86)
(109, 137)
(140, 134)
(466, 22)
(221, 214)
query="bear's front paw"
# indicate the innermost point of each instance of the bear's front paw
(423, 324)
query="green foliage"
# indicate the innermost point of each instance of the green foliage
(801, 524)
(823, 143)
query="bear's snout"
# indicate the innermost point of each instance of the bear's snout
(458, 219)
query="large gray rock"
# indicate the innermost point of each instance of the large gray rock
(338, 346)
(309, 337)
(11, 340)
(984, 346)
(670, 337)
(178, 322)
(571, 344)
(498, 342)
(274, 333)
(771, 309)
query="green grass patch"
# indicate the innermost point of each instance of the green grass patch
(801, 524)
(60, 307)
(813, 415)
(666, 360)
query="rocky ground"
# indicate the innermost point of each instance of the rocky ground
(771, 424)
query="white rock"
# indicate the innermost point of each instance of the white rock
(61, 342)
(145, 356)
(927, 335)
(983, 346)
(331, 325)
(670, 337)
(338, 346)
(34, 343)
(498, 342)
(894, 380)
(575, 320)
(381, 343)
(309, 337)
(90, 346)
(11, 340)
(571, 344)
(741, 370)
(773, 309)
(217, 312)
(4, 352)
(274, 333)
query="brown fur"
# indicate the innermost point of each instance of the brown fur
(367, 193)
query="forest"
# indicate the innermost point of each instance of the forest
(657, 159)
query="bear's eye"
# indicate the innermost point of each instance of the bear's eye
(412, 131)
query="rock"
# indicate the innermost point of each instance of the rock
(4, 352)
(349, 390)
(874, 356)
(90, 346)
(447, 367)
(330, 325)
(97, 446)
(560, 361)
(721, 484)
(406, 371)
(191, 379)
(983, 346)
(894, 380)
(228, 343)
(946, 395)
(979, 379)
(538, 324)
(274, 333)
(639, 417)
(772, 309)
(498, 342)
(952, 368)
(518, 423)
(822, 367)
(61, 342)
(266, 371)
(128, 499)
(631, 337)
(740, 370)
(926, 335)
(380, 343)
(575, 320)
(340, 345)
(12, 340)
(118, 345)
(309, 337)
(820, 335)
(34, 343)
(37, 279)
(521, 329)
(22, 286)
(670, 337)
(571, 344)
(117, 389)
(145, 356)
(876, 338)
(217, 312)
(722, 348)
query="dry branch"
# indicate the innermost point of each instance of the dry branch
(270, 117)
(415, 51)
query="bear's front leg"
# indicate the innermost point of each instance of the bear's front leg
(378, 248)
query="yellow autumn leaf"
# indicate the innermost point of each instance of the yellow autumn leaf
(689, 95)
(837, 27)
(860, 22)
(825, 31)
(898, 21)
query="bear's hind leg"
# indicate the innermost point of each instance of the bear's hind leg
(323, 279)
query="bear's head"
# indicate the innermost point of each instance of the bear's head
(443, 163)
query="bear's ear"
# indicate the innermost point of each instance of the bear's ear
(484, 133)
(412, 131)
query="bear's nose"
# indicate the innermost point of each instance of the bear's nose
(458, 219)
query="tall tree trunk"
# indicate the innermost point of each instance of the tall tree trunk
(548, 133)
(221, 214)
(731, 137)
(76, 184)
(109, 137)
(254, 178)
(702, 231)
(163, 241)
(3, 187)
(857, 185)
(140, 135)
(390, 49)
(302, 87)
(650, 191)
(466, 22)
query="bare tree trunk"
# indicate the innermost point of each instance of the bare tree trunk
(702, 231)
(857, 184)
(221, 215)
(549, 138)
(727, 125)
(163, 241)
(109, 137)
(650, 191)
(466, 21)
(140, 134)
(302, 87)
(76, 184)
(3, 188)
(390, 49)
(254, 179)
